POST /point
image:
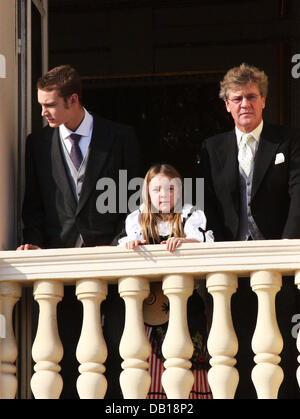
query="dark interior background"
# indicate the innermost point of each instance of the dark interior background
(156, 64)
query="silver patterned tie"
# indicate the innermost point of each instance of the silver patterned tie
(245, 156)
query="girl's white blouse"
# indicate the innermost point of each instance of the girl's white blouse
(192, 224)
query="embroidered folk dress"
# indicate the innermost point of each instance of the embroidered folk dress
(194, 222)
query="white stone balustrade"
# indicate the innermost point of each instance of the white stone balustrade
(91, 269)
(177, 348)
(267, 342)
(135, 378)
(222, 342)
(9, 295)
(47, 350)
(91, 349)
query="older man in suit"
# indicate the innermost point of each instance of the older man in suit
(64, 162)
(252, 192)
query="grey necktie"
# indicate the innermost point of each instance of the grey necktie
(245, 156)
(76, 155)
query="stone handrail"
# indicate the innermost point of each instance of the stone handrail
(91, 269)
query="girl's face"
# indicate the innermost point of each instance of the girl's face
(163, 192)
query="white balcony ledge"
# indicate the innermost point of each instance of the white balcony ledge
(111, 263)
(91, 269)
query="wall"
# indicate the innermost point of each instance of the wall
(8, 125)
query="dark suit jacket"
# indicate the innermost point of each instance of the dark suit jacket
(275, 195)
(52, 218)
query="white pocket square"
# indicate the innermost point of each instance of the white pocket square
(279, 158)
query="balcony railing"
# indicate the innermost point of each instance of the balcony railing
(91, 269)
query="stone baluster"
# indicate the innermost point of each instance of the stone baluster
(222, 343)
(135, 379)
(47, 349)
(267, 341)
(177, 348)
(10, 293)
(91, 349)
(297, 282)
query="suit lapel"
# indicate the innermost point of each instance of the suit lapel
(264, 157)
(59, 172)
(99, 150)
(227, 155)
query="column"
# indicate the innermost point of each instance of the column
(91, 350)
(135, 379)
(10, 293)
(267, 341)
(47, 349)
(222, 343)
(177, 347)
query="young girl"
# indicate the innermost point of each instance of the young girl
(163, 219)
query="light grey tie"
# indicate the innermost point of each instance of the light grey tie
(245, 156)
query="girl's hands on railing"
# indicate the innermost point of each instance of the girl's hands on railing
(174, 242)
(28, 246)
(132, 244)
(171, 243)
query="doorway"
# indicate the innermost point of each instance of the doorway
(171, 113)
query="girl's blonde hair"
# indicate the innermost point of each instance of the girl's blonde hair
(149, 219)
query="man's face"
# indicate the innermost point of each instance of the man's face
(54, 107)
(246, 106)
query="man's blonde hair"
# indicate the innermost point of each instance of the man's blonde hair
(239, 77)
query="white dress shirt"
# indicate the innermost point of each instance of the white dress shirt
(255, 134)
(85, 129)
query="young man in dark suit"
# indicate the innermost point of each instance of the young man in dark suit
(252, 192)
(60, 205)
(65, 163)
